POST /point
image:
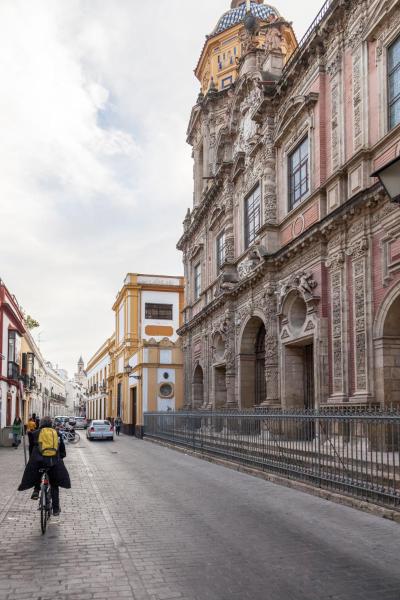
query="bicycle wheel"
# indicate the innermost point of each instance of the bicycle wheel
(43, 508)
(75, 439)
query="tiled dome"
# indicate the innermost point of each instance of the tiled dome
(237, 15)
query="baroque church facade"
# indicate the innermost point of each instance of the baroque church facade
(291, 250)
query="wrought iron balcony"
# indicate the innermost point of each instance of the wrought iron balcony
(13, 371)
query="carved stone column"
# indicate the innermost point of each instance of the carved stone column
(335, 265)
(359, 253)
(271, 346)
(270, 204)
(230, 357)
(229, 223)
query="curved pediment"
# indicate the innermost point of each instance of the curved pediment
(294, 109)
(216, 216)
(197, 248)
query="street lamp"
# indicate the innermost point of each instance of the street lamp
(128, 369)
(389, 176)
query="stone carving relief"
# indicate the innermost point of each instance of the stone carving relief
(335, 64)
(337, 339)
(335, 99)
(358, 248)
(253, 260)
(360, 324)
(355, 36)
(303, 283)
(246, 133)
(336, 260)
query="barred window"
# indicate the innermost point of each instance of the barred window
(298, 174)
(252, 216)
(221, 254)
(394, 83)
(197, 281)
(159, 312)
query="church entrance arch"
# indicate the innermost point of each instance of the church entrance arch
(198, 387)
(252, 364)
(298, 370)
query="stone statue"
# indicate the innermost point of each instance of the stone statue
(273, 39)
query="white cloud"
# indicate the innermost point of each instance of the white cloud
(95, 174)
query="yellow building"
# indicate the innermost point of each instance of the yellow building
(147, 371)
(99, 370)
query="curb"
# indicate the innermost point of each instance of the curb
(373, 509)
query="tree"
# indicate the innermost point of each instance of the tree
(31, 323)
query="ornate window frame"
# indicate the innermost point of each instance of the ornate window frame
(396, 40)
(292, 203)
(246, 242)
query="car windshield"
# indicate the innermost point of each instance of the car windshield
(101, 422)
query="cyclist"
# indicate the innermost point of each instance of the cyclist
(58, 474)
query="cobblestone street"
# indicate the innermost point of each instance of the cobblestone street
(148, 523)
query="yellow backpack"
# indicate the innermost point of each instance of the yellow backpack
(48, 442)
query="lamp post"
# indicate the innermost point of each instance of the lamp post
(128, 369)
(389, 176)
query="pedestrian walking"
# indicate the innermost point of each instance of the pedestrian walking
(17, 432)
(118, 423)
(30, 428)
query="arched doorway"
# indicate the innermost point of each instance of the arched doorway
(252, 364)
(387, 353)
(198, 387)
(298, 373)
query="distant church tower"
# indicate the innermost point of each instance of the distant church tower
(80, 376)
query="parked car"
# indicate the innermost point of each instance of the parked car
(100, 430)
(80, 423)
(61, 419)
(72, 421)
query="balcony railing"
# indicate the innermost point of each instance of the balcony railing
(57, 398)
(29, 382)
(327, 7)
(13, 371)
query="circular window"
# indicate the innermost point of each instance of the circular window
(298, 313)
(166, 390)
(166, 375)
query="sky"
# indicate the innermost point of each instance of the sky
(95, 172)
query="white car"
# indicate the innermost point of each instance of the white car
(80, 422)
(100, 430)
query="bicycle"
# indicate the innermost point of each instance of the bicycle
(70, 438)
(44, 500)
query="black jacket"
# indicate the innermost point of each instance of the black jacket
(58, 473)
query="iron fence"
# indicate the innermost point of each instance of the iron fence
(356, 453)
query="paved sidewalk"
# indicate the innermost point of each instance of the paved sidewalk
(147, 523)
